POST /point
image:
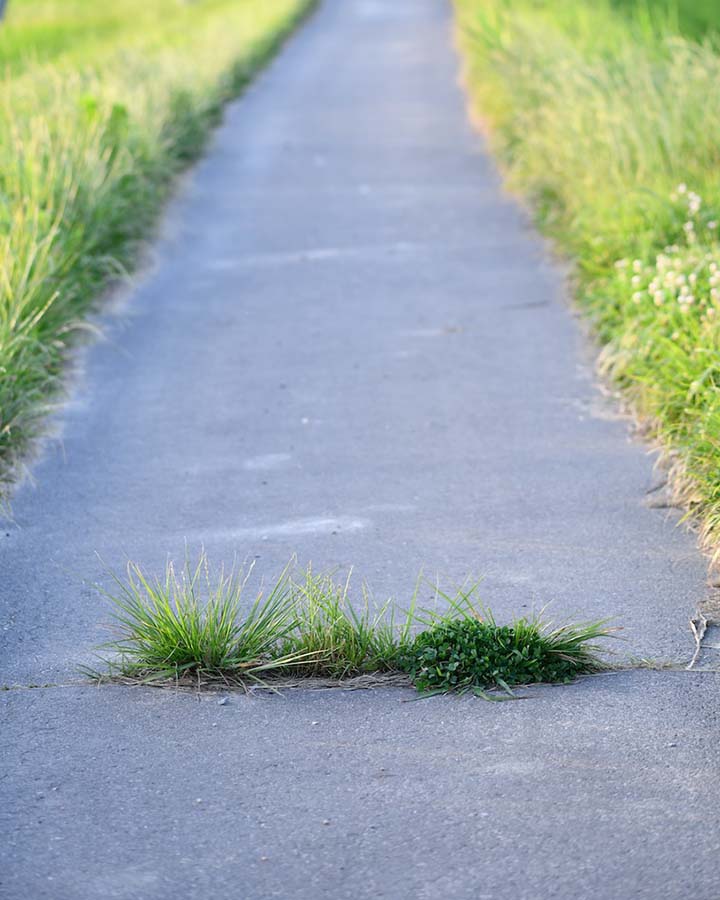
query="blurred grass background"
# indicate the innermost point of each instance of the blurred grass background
(693, 18)
(83, 30)
(100, 106)
(605, 114)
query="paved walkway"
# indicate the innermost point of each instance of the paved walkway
(353, 346)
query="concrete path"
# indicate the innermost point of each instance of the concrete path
(353, 347)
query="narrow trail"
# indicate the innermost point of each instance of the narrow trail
(352, 346)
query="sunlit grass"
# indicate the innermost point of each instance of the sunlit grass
(91, 139)
(693, 18)
(194, 627)
(340, 637)
(190, 624)
(610, 123)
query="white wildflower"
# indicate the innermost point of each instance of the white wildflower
(694, 203)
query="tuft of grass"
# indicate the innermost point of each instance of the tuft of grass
(190, 624)
(466, 650)
(339, 640)
(194, 627)
(608, 120)
(100, 109)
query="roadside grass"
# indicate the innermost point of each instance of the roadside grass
(193, 628)
(609, 123)
(100, 110)
(693, 18)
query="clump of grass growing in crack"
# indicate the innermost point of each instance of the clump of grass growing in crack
(338, 640)
(190, 624)
(466, 650)
(193, 626)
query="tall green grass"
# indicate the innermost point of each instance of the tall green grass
(609, 122)
(100, 106)
(190, 623)
(336, 637)
(191, 626)
(692, 18)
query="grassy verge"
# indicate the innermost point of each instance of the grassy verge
(192, 627)
(101, 106)
(608, 121)
(692, 18)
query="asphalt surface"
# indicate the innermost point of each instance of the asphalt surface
(605, 789)
(352, 346)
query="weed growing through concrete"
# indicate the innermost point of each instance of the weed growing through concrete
(190, 624)
(338, 640)
(194, 627)
(469, 651)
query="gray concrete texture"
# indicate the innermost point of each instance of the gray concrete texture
(603, 790)
(352, 346)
